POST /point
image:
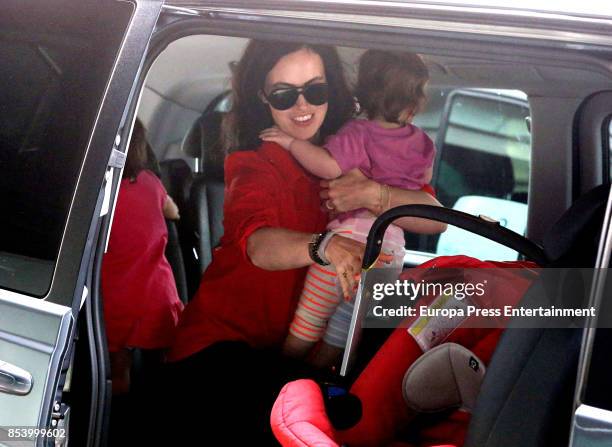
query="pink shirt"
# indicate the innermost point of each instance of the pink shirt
(396, 157)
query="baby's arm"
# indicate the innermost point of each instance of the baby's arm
(170, 209)
(315, 159)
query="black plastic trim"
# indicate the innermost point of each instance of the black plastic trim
(492, 230)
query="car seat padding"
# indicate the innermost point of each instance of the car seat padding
(447, 376)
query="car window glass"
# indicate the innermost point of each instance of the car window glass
(482, 166)
(51, 82)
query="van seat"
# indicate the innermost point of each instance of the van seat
(177, 178)
(207, 191)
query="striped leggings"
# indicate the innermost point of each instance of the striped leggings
(321, 302)
(322, 312)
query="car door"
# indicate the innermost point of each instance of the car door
(67, 73)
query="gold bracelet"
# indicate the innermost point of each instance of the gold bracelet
(388, 192)
(384, 198)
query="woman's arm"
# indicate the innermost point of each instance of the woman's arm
(282, 249)
(278, 249)
(354, 190)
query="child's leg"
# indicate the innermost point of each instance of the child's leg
(336, 333)
(335, 336)
(318, 301)
(297, 347)
(121, 364)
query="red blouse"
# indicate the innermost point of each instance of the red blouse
(236, 300)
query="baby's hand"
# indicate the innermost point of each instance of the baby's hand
(277, 136)
(383, 260)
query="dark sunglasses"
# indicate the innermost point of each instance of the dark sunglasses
(285, 98)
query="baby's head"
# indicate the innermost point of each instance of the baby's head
(391, 85)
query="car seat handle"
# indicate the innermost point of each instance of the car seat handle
(487, 228)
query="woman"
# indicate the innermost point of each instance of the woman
(230, 336)
(141, 304)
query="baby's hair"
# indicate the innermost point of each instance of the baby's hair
(390, 82)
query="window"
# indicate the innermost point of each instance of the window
(52, 76)
(482, 166)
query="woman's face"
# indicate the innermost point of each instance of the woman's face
(303, 120)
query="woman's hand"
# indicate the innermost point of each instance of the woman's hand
(354, 190)
(350, 192)
(346, 256)
(277, 136)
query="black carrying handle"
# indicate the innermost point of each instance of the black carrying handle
(491, 230)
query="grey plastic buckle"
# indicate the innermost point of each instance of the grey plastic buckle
(117, 159)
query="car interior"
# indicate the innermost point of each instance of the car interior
(487, 148)
(509, 129)
(523, 131)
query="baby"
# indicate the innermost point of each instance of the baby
(388, 149)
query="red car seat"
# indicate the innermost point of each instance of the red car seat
(379, 387)
(510, 387)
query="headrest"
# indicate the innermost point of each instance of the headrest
(447, 376)
(203, 141)
(573, 240)
(177, 179)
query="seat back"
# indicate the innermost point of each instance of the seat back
(177, 178)
(527, 395)
(207, 191)
(526, 398)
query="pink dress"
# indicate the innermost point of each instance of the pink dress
(141, 304)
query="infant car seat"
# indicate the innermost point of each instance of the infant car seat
(527, 392)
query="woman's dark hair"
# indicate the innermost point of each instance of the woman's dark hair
(137, 156)
(249, 115)
(390, 82)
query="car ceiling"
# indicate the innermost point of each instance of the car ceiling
(193, 70)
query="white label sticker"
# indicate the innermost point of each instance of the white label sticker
(435, 326)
